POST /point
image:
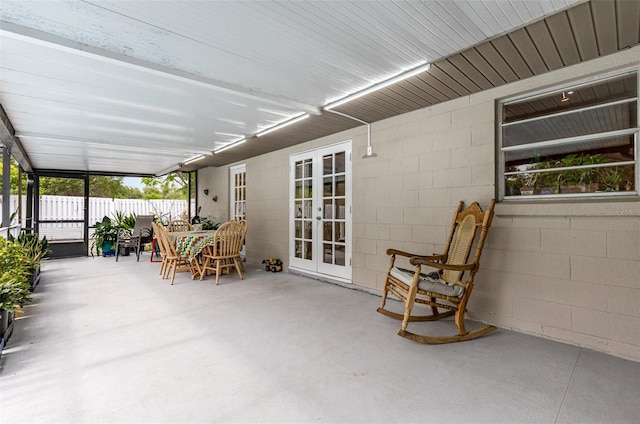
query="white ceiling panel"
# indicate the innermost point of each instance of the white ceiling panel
(100, 85)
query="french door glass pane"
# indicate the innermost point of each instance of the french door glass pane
(340, 162)
(327, 231)
(328, 208)
(298, 225)
(339, 255)
(308, 250)
(340, 209)
(340, 185)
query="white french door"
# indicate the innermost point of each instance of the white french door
(238, 191)
(238, 197)
(320, 211)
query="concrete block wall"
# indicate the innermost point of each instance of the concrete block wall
(561, 270)
(216, 180)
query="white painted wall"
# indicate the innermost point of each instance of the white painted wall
(565, 271)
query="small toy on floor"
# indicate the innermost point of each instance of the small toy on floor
(272, 264)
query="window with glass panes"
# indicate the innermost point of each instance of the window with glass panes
(579, 140)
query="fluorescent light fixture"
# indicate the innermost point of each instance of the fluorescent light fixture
(193, 159)
(375, 87)
(283, 124)
(169, 169)
(230, 145)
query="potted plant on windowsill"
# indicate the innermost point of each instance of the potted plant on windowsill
(611, 178)
(104, 237)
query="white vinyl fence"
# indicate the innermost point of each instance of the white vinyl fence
(60, 208)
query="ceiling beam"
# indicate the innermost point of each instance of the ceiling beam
(9, 29)
(8, 138)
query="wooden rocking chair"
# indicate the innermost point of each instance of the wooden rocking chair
(445, 289)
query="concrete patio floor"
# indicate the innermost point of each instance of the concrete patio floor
(107, 342)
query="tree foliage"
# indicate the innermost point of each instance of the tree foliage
(14, 179)
(171, 186)
(99, 186)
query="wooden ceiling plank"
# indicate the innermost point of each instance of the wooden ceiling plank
(365, 109)
(438, 86)
(628, 23)
(512, 56)
(562, 34)
(443, 77)
(528, 50)
(447, 67)
(407, 94)
(481, 64)
(488, 51)
(417, 91)
(389, 97)
(469, 70)
(604, 19)
(539, 34)
(425, 91)
(584, 31)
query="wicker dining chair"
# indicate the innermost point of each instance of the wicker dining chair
(179, 225)
(161, 246)
(224, 252)
(450, 286)
(174, 262)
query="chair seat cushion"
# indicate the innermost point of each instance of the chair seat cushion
(428, 282)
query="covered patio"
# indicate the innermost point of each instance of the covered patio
(422, 97)
(107, 342)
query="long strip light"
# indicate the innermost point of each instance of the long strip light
(230, 145)
(283, 124)
(397, 78)
(193, 159)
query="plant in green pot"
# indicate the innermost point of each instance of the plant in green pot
(104, 236)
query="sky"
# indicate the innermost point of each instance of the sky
(133, 182)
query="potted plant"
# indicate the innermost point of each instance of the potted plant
(35, 249)
(208, 224)
(124, 224)
(611, 178)
(578, 179)
(527, 181)
(104, 235)
(14, 284)
(512, 186)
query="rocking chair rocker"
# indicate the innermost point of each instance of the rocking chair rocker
(445, 289)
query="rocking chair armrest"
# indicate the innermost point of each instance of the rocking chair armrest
(412, 255)
(399, 252)
(416, 260)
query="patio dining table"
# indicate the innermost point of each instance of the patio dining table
(189, 245)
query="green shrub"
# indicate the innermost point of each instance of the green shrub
(15, 269)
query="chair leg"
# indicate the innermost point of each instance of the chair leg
(117, 251)
(164, 271)
(205, 264)
(238, 267)
(174, 265)
(218, 270)
(408, 307)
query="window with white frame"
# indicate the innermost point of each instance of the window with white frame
(579, 140)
